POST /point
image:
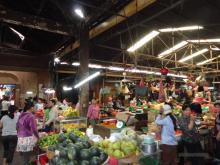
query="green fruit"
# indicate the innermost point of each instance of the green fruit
(95, 161)
(51, 148)
(84, 162)
(103, 156)
(94, 151)
(71, 154)
(61, 138)
(84, 154)
(86, 144)
(116, 145)
(63, 153)
(55, 160)
(118, 154)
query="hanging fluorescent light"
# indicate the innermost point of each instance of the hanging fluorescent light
(174, 48)
(65, 88)
(193, 55)
(87, 79)
(63, 63)
(215, 48)
(216, 82)
(29, 92)
(143, 41)
(185, 28)
(95, 66)
(79, 12)
(205, 40)
(18, 33)
(76, 64)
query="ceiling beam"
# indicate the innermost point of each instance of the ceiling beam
(31, 21)
(129, 10)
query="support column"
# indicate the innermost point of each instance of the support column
(84, 70)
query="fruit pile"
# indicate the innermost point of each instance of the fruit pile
(74, 125)
(74, 150)
(70, 112)
(46, 141)
(119, 149)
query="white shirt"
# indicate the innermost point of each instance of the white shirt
(168, 132)
(9, 125)
(5, 105)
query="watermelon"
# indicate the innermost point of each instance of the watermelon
(95, 160)
(71, 153)
(103, 157)
(84, 154)
(84, 162)
(94, 151)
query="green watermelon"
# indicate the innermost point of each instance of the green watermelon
(94, 151)
(84, 162)
(95, 160)
(71, 153)
(103, 157)
(84, 154)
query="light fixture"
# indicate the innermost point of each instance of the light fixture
(184, 28)
(79, 12)
(63, 63)
(215, 48)
(174, 48)
(18, 33)
(29, 92)
(65, 88)
(87, 79)
(95, 66)
(76, 64)
(216, 82)
(50, 91)
(193, 55)
(120, 69)
(57, 60)
(205, 40)
(143, 41)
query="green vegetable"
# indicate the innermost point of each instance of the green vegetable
(103, 156)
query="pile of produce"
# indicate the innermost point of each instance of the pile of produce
(70, 112)
(46, 141)
(74, 125)
(119, 149)
(73, 150)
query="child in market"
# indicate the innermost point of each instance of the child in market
(93, 113)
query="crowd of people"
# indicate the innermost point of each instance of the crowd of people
(190, 138)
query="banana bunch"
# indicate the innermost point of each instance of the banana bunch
(70, 112)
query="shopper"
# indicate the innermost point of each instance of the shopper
(5, 106)
(52, 116)
(217, 129)
(93, 113)
(39, 105)
(168, 139)
(190, 137)
(27, 132)
(9, 134)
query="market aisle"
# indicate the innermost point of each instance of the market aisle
(17, 158)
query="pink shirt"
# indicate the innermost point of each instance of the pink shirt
(93, 112)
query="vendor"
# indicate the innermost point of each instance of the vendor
(190, 137)
(52, 116)
(93, 112)
(168, 139)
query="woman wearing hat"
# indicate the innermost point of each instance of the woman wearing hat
(168, 139)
